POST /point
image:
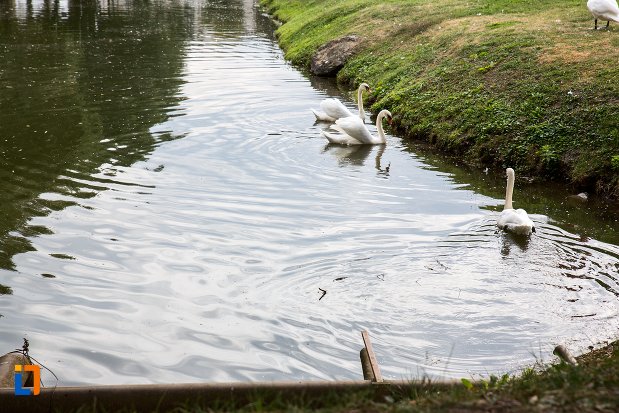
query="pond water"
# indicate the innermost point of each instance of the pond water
(170, 213)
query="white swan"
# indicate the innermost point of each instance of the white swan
(604, 10)
(333, 109)
(514, 220)
(354, 132)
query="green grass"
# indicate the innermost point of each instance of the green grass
(519, 83)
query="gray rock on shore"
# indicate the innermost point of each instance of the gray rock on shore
(331, 56)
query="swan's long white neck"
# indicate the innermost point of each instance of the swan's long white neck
(379, 127)
(510, 188)
(360, 102)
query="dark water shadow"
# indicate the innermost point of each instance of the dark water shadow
(81, 88)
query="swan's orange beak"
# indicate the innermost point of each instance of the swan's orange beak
(390, 120)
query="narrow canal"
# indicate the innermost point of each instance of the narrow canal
(170, 213)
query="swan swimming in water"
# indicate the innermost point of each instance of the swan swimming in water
(333, 109)
(514, 220)
(604, 10)
(354, 132)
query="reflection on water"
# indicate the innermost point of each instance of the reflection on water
(358, 154)
(173, 214)
(80, 89)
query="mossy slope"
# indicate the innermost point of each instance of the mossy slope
(519, 83)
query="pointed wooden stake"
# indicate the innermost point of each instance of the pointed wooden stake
(372, 357)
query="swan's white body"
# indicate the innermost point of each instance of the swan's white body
(352, 131)
(514, 220)
(332, 109)
(604, 10)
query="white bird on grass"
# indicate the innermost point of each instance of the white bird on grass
(354, 132)
(333, 109)
(514, 220)
(604, 10)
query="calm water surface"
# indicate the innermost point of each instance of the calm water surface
(170, 211)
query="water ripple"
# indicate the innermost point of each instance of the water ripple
(209, 233)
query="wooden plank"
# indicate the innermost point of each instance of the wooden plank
(146, 398)
(373, 362)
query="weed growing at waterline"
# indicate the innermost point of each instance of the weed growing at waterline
(502, 83)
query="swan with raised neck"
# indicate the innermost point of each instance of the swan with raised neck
(514, 220)
(332, 109)
(352, 131)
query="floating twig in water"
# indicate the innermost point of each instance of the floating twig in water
(340, 278)
(324, 292)
(584, 315)
(381, 277)
(443, 266)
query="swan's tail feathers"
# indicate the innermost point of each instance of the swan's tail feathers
(519, 229)
(339, 139)
(321, 116)
(339, 129)
(516, 221)
(332, 137)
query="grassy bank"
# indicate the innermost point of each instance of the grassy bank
(589, 387)
(519, 83)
